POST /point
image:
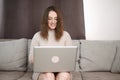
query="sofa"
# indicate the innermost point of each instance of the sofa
(96, 60)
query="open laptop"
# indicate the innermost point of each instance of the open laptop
(54, 58)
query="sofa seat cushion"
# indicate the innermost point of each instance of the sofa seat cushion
(100, 76)
(26, 76)
(7, 75)
(76, 76)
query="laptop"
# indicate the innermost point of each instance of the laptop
(54, 58)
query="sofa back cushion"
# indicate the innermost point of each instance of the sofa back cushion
(13, 55)
(77, 43)
(116, 62)
(97, 55)
(30, 66)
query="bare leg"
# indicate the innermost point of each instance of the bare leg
(63, 76)
(46, 76)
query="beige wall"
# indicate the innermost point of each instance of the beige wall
(102, 19)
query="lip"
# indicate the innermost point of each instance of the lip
(52, 24)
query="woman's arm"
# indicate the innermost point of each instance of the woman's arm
(35, 42)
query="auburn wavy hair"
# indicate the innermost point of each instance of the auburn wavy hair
(44, 24)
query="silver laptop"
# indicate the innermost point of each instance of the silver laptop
(54, 58)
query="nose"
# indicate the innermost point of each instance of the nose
(53, 21)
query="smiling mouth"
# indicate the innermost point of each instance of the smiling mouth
(52, 24)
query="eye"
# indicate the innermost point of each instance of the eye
(55, 18)
(49, 18)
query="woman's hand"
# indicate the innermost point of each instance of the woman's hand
(31, 59)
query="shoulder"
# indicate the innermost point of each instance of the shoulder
(37, 34)
(65, 33)
(67, 38)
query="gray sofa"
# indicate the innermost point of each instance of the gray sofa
(96, 60)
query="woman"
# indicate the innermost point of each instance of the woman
(51, 34)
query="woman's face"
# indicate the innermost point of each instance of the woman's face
(52, 19)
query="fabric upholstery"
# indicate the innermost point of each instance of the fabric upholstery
(97, 55)
(76, 76)
(77, 43)
(111, 61)
(13, 55)
(100, 76)
(30, 66)
(13, 75)
(116, 62)
(26, 76)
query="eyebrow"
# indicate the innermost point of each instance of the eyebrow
(51, 17)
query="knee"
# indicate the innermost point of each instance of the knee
(49, 75)
(63, 76)
(46, 76)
